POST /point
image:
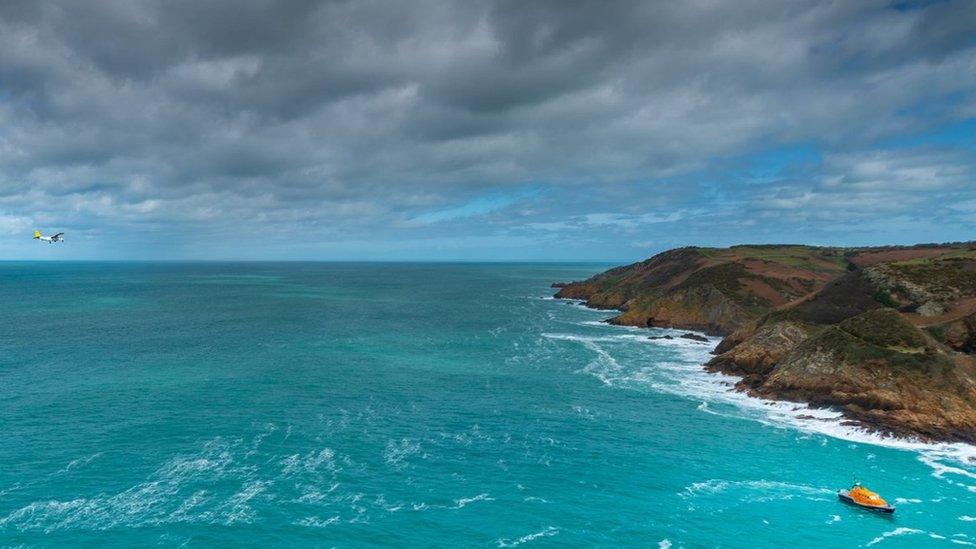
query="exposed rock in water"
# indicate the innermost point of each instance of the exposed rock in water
(692, 337)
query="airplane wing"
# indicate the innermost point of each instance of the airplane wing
(59, 235)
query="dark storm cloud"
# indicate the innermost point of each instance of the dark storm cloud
(357, 118)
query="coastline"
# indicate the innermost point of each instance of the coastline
(801, 416)
(885, 335)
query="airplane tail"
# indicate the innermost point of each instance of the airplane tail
(37, 234)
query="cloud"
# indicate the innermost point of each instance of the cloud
(11, 225)
(351, 120)
(879, 183)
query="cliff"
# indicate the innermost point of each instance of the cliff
(884, 334)
(709, 289)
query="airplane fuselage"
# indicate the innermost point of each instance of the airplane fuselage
(49, 239)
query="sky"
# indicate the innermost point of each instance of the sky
(456, 130)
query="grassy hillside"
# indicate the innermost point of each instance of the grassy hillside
(880, 332)
(734, 285)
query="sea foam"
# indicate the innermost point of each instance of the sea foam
(684, 375)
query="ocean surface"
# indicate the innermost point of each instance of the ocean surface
(351, 405)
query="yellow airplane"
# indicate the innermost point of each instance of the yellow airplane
(48, 239)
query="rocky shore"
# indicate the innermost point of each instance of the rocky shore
(886, 335)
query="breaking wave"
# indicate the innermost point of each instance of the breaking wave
(548, 532)
(677, 369)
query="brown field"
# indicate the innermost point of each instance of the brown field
(869, 258)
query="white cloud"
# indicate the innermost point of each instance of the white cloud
(356, 120)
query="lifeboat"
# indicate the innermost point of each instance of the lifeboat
(866, 499)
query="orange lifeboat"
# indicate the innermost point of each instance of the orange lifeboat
(862, 497)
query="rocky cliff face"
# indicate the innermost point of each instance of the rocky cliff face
(958, 334)
(703, 308)
(759, 351)
(709, 289)
(884, 372)
(880, 333)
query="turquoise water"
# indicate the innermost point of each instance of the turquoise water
(436, 405)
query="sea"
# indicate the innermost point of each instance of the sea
(436, 405)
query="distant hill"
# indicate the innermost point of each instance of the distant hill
(885, 333)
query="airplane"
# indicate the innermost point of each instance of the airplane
(49, 239)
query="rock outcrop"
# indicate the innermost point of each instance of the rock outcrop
(886, 335)
(884, 372)
(959, 334)
(756, 355)
(709, 289)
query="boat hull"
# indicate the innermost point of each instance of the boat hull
(844, 496)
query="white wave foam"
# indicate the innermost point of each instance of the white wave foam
(310, 462)
(597, 323)
(6, 491)
(604, 367)
(959, 453)
(584, 412)
(664, 544)
(316, 522)
(967, 518)
(901, 531)
(237, 508)
(719, 388)
(685, 376)
(768, 490)
(75, 463)
(182, 513)
(159, 499)
(548, 532)
(462, 502)
(575, 303)
(612, 338)
(396, 453)
(315, 496)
